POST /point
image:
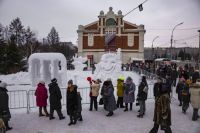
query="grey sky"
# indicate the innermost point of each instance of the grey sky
(158, 17)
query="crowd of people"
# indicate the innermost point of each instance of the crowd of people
(187, 88)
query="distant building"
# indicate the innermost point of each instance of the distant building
(107, 34)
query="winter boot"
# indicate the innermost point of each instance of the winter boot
(126, 107)
(154, 129)
(70, 123)
(131, 106)
(7, 126)
(61, 118)
(51, 118)
(109, 114)
(140, 116)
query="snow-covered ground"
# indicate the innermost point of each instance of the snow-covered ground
(97, 122)
(94, 122)
(21, 80)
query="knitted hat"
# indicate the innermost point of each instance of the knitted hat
(3, 85)
(54, 80)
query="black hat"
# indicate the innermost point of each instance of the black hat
(54, 80)
(70, 81)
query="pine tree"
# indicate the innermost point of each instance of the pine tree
(13, 58)
(53, 40)
(16, 29)
(2, 50)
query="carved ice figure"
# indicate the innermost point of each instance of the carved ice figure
(46, 66)
(78, 62)
(109, 66)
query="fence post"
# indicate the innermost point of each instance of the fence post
(28, 101)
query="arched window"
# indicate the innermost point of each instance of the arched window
(110, 22)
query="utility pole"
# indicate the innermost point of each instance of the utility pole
(199, 47)
(152, 46)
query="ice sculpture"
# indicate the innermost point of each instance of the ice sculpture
(109, 66)
(46, 66)
(78, 62)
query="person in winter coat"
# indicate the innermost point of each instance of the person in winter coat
(179, 88)
(72, 102)
(95, 87)
(162, 112)
(120, 92)
(79, 105)
(4, 107)
(185, 96)
(108, 97)
(142, 96)
(195, 98)
(2, 126)
(55, 99)
(129, 93)
(174, 76)
(195, 75)
(41, 98)
(157, 87)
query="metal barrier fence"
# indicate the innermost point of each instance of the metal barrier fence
(26, 98)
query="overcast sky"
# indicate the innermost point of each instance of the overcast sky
(158, 16)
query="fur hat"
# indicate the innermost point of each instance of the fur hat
(70, 81)
(41, 82)
(3, 85)
(54, 80)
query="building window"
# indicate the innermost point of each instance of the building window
(130, 40)
(90, 39)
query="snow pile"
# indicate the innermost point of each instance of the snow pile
(46, 66)
(109, 66)
(78, 63)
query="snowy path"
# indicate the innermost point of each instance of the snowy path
(97, 122)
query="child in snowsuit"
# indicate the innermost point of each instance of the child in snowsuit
(120, 91)
(79, 107)
(185, 97)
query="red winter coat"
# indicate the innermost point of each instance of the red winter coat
(41, 95)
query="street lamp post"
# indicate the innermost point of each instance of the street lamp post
(152, 44)
(172, 37)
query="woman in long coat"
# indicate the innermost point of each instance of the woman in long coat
(129, 93)
(41, 98)
(108, 97)
(72, 102)
(55, 99)
(162, 112)
(4, 108)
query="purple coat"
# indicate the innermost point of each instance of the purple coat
(41, 95)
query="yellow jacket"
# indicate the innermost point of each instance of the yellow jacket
(120, 88)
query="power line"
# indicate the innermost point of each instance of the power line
(139, 6)
(194, 28)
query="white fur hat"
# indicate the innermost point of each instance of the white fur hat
(41, 82)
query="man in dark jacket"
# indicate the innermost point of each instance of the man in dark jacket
(195, 76)
(157, 87)
(142, 96)
(72, 102)
(55, 99)
(4, 108)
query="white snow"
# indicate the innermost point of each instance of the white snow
(97, 122)
(78, 62)
(46, 66)
(109, 66)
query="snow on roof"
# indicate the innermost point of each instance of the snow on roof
(48, 56)
(136, 59)
(162, 59)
